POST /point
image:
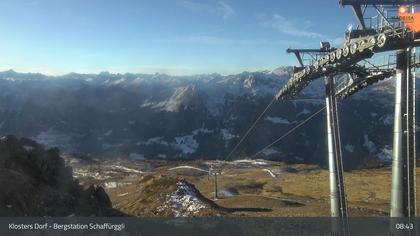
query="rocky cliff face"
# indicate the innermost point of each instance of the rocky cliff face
(36, 182)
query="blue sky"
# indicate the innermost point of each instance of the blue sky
(163, 36)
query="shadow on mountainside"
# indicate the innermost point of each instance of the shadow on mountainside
(36, 182)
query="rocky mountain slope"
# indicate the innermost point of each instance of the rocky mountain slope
(195, 117)
(36, 182)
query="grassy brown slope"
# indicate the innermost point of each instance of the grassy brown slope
(297, 190)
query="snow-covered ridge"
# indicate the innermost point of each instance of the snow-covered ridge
(184, 201)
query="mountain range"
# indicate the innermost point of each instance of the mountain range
(158, 116)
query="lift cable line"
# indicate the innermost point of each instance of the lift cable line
(259, 118)
(218, 171)
(289, 131)
(250, 128)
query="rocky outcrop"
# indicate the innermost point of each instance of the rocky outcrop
(36, 182)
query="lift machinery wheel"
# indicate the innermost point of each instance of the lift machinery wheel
(381, 40)
(362, 45)
(353, 48)
(338, 54)
(316, 66)
(332, 57)
(346, 51)
(372, 42)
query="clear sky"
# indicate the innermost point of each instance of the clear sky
(163, 36)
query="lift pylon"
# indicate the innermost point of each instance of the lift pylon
(403, 192)
(338, 201)
(392, 32)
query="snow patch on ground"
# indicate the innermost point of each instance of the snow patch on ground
(270, 151)
(385, 154)
(227, 135)
(226, 193)
(128, 169)
(387, 119)
(349, 148)
(154, 140)
(214, 162)
(188, 167)
(110, 185)
(369, 144)
(304, 112)
(77, 173)
(299, 158)
(186, 144)
(108, 133)
(277, 120)
(202, 131)
(184, 201)
(232, 118)
(270, 172)
(250, 161)
(113, 184)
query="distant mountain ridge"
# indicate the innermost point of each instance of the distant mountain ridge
(161, 116)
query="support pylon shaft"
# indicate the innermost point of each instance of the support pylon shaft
(403, 194)
(337, 192)
(338, 199)
(215, 186)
